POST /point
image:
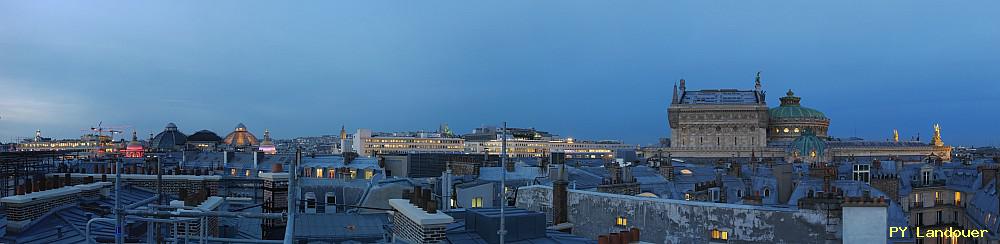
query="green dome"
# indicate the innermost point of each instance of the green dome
(784, 112)
(790, 108)
(807, 143)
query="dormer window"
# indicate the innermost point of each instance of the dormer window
(720, 235)
(862, 172)
(621, 221)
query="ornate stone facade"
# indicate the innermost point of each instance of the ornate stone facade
(729, 123)
(723, 119)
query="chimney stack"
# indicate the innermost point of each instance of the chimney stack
(425, 198)
(415, 200)
(560, 213)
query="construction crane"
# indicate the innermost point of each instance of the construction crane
(99, 130)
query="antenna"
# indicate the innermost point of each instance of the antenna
(503, 183)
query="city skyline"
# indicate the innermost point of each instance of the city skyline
(593, 71)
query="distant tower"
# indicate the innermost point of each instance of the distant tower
(345, 143)
(134, 148)
(683, 86)
(936, 139)
(895, 135)
(38, 135)
(266, 146)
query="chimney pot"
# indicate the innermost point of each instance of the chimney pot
(603, 239)
(615, 239)
(431, 206)
(626, 236)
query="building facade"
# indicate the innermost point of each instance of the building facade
(367, 143)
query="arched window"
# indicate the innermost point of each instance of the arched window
(767, 192)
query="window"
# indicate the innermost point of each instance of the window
(621, 221)
(369, 174)
(940, 217)
(920, 219)
(477, 202)
(862, 172)
(958, 198)
(785, 130)
(767, 192)
(796, 130)
(720, 235)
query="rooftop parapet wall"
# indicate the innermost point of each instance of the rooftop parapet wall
(679, 221)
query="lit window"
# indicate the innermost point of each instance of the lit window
(720, 235)
(796, 130)
(786, 130)
(958, 198)
(319, 173)
(477, 202)
(621, 221)
(369, 174)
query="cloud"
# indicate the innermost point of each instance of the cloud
(26, 106)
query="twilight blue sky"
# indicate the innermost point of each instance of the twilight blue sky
(587, 69)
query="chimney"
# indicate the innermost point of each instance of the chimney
(425, 197)
(783, 174)
(988, 173)
(410, 224)
(407, 194)
(35, 186)
(431, 206)
(603, 239)
(615, 239)
(560, 213)
(626, 236)
(57, 181)
(635, 234)
(415, 199)
(276, 168)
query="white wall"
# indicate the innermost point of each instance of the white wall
(865, 224)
